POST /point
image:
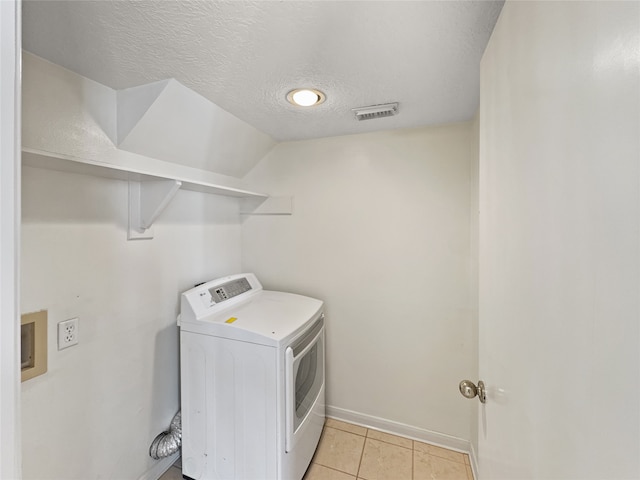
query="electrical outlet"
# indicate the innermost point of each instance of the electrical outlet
(67, 333)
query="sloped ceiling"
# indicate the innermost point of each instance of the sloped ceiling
(167, 121)
(245, 56)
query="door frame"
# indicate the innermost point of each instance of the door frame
(10, 174)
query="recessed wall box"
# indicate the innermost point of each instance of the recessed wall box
(33, 344)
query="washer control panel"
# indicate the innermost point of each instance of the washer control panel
(229, 290)
(211, 296)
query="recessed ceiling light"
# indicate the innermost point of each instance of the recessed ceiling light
(305, 97)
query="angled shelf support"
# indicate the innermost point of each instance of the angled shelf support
(147, 200)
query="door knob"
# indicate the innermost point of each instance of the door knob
(468, 389)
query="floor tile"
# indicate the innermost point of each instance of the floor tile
(339, 450)
(430, 467)
(319, 472)
(384, 461)
(387, 437)
(439, 452)
(346, 450)
(346, 427)
(173, 473)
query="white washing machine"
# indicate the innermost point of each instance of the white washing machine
(252, 380)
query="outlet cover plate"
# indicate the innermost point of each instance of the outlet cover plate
(67, 333)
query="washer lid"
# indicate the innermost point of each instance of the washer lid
(265, 317)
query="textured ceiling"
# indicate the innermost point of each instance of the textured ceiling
(246, 55)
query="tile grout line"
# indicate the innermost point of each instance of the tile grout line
(412, 439)
(347, 431)
(413, 449)
(444, 458)
(413, 453)
(376, 439)
(441, 458)
(366, 436)
(327, 466)
(334, 469)
(389, 443)
(362, 455)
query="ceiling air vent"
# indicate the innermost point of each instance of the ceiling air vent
(376, 111)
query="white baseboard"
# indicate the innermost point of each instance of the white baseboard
(369, 421)
(389, 426)
(473, 457)
(161, 466)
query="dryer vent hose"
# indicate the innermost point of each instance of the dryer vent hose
(167, 443)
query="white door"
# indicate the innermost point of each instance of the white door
(559, 242)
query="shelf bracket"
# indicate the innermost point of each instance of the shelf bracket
(147, 200)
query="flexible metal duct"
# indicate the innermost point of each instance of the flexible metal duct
(167, 443)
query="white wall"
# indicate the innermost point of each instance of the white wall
(560, 242)
(97, 409)
(381, 233)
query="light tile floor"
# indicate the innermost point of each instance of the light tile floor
(347, 452)
(350, 452)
